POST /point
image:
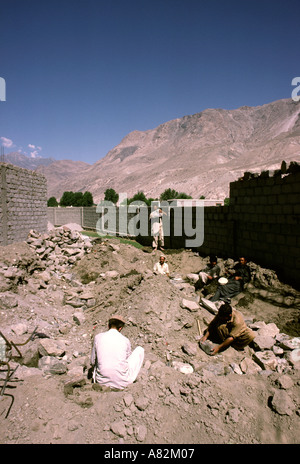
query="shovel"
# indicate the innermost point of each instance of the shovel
(198, 337)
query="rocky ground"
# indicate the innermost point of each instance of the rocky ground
(66, 287)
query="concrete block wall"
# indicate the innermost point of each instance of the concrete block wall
(261, 223)
(86, 217)
(266, 214)
(219, 230)
(23, 203)
(61, 216)
(90, 218)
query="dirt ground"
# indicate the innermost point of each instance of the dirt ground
(214, 404)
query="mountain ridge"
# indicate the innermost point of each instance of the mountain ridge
(198, 154)
(26, 162)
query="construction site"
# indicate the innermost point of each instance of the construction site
(58, 289)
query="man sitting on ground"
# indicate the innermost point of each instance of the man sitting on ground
(161, 267)
(208, 274)
(235, 285)
(114, 364)
(228, 328)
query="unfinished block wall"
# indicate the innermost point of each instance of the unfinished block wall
(261, 223)
(23, 203)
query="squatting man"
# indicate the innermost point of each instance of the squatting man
(228, 328)
(114, 364)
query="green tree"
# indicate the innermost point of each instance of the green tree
(111, 195)
(77, 199)
(67, 199)
(184, 195)
(170, 194)
(52, 202)
(140, 196)
(87, 199)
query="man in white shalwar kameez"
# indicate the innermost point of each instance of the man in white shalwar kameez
(157, 228)
(114, 364)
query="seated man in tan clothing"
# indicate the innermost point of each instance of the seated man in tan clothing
(228, 328)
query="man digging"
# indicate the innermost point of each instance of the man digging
(228, 328)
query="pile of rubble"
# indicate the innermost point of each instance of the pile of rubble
(42, 255)
(272, 351)
(60, 247)
(215, 399)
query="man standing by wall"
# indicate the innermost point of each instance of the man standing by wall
(157, 228)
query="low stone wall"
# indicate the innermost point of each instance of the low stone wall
(23, 204)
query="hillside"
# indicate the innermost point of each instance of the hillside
(60, 172)
(198, 154)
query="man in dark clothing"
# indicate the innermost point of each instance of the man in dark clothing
(236, 282)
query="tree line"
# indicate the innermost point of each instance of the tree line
(169, 194)
(72, 199)
(86, 198)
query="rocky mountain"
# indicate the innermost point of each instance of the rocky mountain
(198, 154)
(60, 173)
(18, 159)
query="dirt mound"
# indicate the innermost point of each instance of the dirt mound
(228, 398)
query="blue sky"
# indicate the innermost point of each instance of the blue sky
(80, 75)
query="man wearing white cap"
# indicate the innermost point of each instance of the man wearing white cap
(114, 364)
(161, 267)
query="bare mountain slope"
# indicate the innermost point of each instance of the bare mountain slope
(58, 172)
(198, 154)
